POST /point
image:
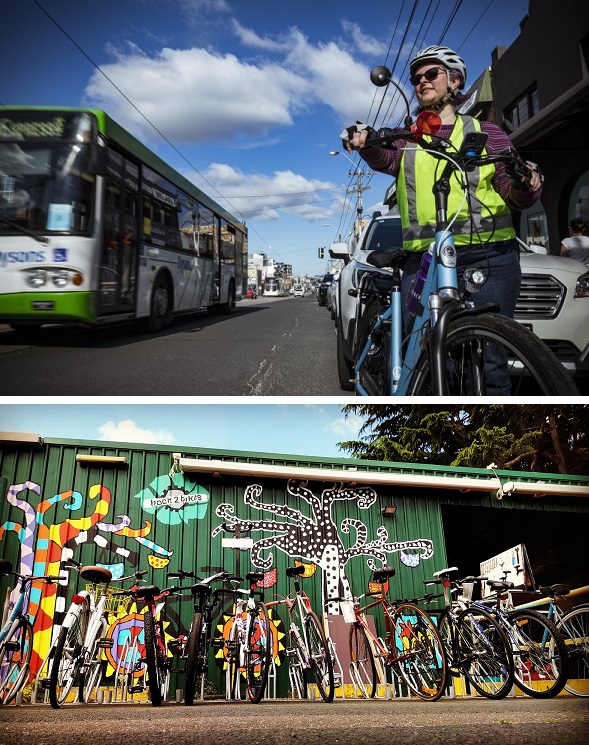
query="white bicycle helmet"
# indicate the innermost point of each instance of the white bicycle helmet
(445, 56)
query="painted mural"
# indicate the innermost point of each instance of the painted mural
(315, 538)
(45, 546)
(52, 529)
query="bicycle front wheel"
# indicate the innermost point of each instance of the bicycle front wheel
(484, 653)
(258, 653)
(195, 651)
(362, 665)
(574, 628)
(540, 655)
(92, 673)
(321, 662)
(68, 658)
(418, 652)
(156, 674)
(15, 657)
(375, 373)
(491, 355)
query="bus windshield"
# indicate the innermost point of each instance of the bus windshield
(47, 183)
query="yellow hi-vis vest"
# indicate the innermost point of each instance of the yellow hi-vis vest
(489, 218)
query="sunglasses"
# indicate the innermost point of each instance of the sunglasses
(429, 75)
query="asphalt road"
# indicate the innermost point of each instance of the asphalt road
(521, 721)
(268, 347)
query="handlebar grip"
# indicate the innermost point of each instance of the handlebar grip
(432, 581)
(141, 573)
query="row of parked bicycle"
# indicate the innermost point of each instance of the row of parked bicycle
(490, 647)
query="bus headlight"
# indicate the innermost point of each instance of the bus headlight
(60, 277)
(36, 277)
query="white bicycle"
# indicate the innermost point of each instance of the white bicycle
(77, 655)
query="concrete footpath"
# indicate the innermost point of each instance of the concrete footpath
(521, 721)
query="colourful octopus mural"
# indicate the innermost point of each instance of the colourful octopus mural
(45, 545)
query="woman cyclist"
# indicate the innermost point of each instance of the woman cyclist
(483, 231)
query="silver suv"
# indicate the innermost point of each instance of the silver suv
(553, 300)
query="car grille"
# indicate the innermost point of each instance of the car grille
(540, 296)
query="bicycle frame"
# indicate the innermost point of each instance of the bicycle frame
(442, 304)
(13, 677)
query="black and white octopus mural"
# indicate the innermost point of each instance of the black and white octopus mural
(315, 538)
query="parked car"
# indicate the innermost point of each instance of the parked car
(554, 303)
(553, 300)
(322, 289)
(332, 296)
(298, 291)
(252, 293)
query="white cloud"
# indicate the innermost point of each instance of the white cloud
(346, 427)
(364, 43)
(127, 431)
(259, 196)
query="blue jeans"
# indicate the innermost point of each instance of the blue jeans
(501, 262)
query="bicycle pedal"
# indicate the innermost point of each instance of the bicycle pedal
(136, 689)
(44, 683)
(12, 646)
(105, 643)
(218, 643)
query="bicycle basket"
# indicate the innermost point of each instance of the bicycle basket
(117, 604)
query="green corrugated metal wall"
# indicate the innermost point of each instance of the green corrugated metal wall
(53, 466)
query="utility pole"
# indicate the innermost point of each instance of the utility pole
(358, 189)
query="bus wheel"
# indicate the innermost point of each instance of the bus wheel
(229, 306)
(161, 307)
(26, 330)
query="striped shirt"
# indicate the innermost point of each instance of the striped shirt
(388, 161)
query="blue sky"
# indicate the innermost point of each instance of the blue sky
(250, 95)
(298, 429)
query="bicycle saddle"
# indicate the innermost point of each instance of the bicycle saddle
(254, 576)
(500, 584)
(381, 575)
(95, 574)
(295, 571)
(147, 591)
(554, 590)
(387, 257)
(5, 566)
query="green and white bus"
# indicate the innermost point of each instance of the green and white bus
(94, 227)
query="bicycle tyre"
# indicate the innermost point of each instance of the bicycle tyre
(296, 669)
(92, 672)
(155, 680)
(258, 652)
(362, 665)
(321, 662)
(194, 658)
(67, 659)
(418, 656)
(15, 658)
(233, 659)
(375, 373)
(574, 628)
(531, 365)
(485, 657)
(542, 654)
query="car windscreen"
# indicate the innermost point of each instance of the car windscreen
(384, 234)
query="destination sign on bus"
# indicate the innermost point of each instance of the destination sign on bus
(9, 128)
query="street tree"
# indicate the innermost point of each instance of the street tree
(529, 437)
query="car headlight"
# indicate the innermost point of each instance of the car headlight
(36, 277)
(60, 277)
(582, 287)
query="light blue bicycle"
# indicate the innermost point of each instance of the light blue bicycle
(448, 347)
(16, 637)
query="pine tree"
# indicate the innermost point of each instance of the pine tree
(552, 438)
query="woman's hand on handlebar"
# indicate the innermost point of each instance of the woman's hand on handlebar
(354, 137)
